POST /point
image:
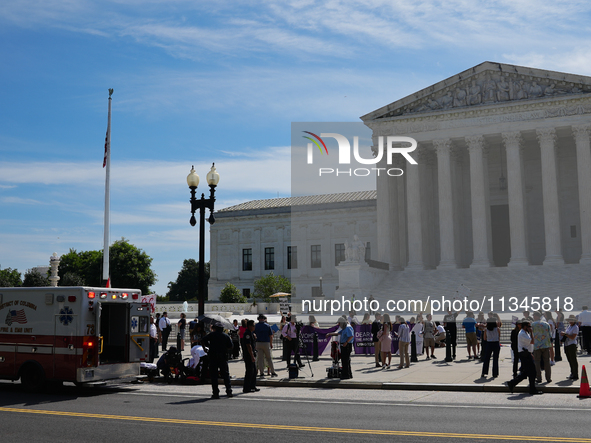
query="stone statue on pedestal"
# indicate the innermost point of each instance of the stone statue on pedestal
(355, 250)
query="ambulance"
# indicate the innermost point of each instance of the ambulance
(75, 334)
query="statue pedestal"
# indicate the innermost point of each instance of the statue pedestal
(357, 278)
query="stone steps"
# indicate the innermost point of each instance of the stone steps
(527, 281)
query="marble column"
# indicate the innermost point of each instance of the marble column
(547, 140)
(481, 227)
(446, 212)
(415, 226)
(515, 183)
(384, 221)
(581, 135)
(395, 186)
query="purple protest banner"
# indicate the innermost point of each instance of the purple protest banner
(307, 336)
(364, 339)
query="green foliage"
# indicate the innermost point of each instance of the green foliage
(186, 286)
(270, 284)
(162, 298)
(10, 278)
(81, 268)
(34, 279)
(129, 266)
(231, 294)
(71, 279)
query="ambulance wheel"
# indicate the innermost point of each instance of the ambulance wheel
(32, 377)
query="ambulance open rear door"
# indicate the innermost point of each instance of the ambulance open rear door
(139, 336)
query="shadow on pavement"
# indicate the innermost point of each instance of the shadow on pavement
(13, 393)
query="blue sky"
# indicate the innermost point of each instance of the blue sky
(197, 82)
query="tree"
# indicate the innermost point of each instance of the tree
(81, 268)
(129, 266)
(270, 284)
(34, 278)
(71, 279)
(231, 294)
(186, 286)
(10, 278)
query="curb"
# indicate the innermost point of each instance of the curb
(348, 384)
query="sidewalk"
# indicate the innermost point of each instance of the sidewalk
(435, 374)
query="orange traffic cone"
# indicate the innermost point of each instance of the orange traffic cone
(584, 391)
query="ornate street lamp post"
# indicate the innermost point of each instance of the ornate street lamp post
(201, 204)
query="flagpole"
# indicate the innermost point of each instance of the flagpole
(106, 277)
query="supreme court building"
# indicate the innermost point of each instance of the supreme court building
(503, 180)
(500, 200)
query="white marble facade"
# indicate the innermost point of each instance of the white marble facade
(529, 126)
(301, 222)
(503, 182)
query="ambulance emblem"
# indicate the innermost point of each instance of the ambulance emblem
(15, 316)
(66, 316)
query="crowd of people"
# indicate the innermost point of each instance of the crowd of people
(532, 343)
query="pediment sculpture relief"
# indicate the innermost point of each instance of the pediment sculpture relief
(488, 88)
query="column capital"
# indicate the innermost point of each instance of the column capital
(546, 135)
(475, 142)
(442, 146)
(581, 131)
(512, 139)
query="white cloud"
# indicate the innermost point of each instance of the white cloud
(251, 174)
(334, 28)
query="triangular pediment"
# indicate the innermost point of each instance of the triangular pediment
(485, 84)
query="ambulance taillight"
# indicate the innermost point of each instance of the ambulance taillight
(89, 351)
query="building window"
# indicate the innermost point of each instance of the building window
(292, 257)
(246, 292)
(247, 259)
(269, 258)
(367, 251)
(315, 256)
(339, 253)
(316, 291)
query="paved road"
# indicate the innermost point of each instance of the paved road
(180, 413)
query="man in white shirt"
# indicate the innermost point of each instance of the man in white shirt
(525, 345)
(570, 346)
(585, 325)
(153, 340)
(440, 336)
(352, 319)
(165, 327)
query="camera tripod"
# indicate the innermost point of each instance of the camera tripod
(301, 346)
